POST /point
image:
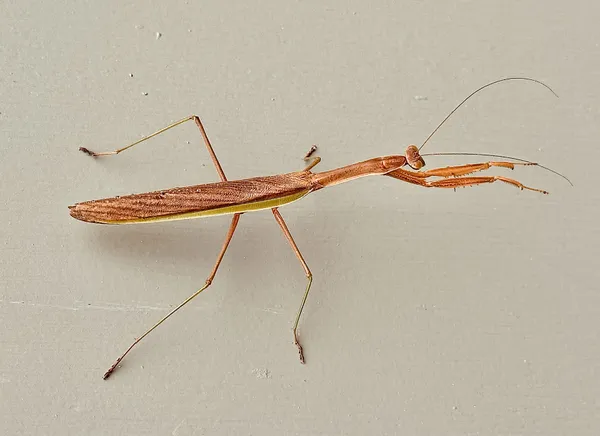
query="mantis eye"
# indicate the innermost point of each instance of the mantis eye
(413, 157)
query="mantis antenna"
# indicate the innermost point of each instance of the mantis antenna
(506, 79)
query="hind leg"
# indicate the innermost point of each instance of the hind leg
(196, 119)
(209, 280)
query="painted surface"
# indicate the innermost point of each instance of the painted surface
(432, 312)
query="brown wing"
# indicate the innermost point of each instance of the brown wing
(195, 201)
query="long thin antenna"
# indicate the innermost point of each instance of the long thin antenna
(501, 157)
(480, 89)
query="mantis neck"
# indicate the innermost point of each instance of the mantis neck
(372, 167)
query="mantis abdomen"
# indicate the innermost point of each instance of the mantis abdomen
(197, 201)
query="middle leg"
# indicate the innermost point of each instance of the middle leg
(290, 239)
(314, 161)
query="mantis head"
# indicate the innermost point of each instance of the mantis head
(413, 158)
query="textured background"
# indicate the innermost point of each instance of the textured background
(432, 312)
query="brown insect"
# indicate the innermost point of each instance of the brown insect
(271, 192)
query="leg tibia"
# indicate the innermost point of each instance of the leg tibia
(471, 181)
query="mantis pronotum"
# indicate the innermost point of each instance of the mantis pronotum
(271, 192)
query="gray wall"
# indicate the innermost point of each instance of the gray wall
(432, 311)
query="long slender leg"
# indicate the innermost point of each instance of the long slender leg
(290, 239)
(208, 282)
(213, 156)
(417, 178)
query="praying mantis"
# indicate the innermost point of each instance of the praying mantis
(237, 197)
